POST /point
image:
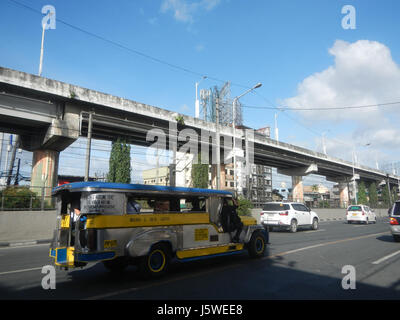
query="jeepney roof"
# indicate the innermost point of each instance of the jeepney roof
(135, 188)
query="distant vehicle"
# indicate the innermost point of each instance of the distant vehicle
(360, 213)
(395, 221)
(288, 215)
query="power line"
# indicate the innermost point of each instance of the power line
(283, 108)
(124, 47)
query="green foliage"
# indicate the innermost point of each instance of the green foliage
(385, 197)
(19, 198)
(362, 194)
(373, 196)
(395, 196)
(179, 119)
(324, 204)
(200, 174)
(120, 162)
(245, 207)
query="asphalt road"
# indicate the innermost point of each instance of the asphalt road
(304, 265)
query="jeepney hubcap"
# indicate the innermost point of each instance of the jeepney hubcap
(259, 244)
(156, 261)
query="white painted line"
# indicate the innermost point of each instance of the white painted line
(18, 271)
(324, 244)
(386, 257)
(20, 244)
(312, 231)
(25, 246)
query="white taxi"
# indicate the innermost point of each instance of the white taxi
(360, 213)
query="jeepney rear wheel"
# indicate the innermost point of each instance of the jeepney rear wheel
(118, 264)
(156, 263)
(257, 244)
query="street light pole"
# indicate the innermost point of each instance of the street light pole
(354, 180)
(234, 130)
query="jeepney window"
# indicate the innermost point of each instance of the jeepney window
(137, 204)
(193, 204)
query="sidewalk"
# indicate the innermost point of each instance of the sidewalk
(23, 243)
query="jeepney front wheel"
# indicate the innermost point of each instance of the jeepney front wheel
(257, 244)
(156, 262)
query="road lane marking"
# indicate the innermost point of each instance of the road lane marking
(323, 244)
(386, 257)
(312, 231)
(22, 270)
(24, 246)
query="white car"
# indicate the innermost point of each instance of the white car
(288, 215)
(360, 213)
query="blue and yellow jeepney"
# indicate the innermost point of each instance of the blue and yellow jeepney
(123, 224)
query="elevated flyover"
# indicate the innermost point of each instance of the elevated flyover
(49, 115)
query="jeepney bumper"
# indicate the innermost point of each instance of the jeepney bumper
(67, 257)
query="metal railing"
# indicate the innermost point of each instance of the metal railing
(17, 198)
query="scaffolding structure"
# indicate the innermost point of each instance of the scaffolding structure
(209, 100)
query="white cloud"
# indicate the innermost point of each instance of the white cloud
(364, 73)
(184, 11)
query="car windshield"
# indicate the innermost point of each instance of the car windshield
(355, 208)
(396, 209)
(275, 207)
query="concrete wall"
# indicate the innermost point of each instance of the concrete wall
(328, 214)
(16, 226)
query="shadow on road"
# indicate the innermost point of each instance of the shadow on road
(230, 278)
(386, 238)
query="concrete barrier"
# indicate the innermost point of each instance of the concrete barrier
(327, 214)
(21, 226)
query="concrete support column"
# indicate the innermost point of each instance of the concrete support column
(44, 172)
(297, 184)
(343, 194)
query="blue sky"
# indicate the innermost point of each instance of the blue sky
(298, 50)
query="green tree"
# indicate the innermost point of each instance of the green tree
(362, 194)
(395, 196)
(120, 162)
(200, 174)
(373, 195)
(245, 207)
(385, 196)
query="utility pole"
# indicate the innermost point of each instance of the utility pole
(41, 51)
(17, 174)
(276, 127)
(88, 146)
(11, 165)
(388, 186)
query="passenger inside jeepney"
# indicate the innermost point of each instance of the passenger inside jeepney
(133, 207)
(230, 219)
(75, 211)
(161, 206)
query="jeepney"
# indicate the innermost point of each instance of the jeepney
(122, 224)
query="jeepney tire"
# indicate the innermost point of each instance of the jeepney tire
(156, 263)
(257, 244)
(116, 265)
(396, 238)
